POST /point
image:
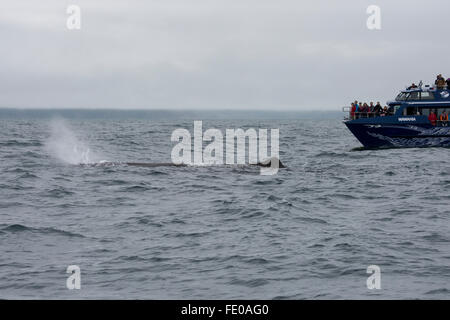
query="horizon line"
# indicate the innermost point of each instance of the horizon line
(165, 110)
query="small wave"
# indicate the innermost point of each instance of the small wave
(316, 246)
(112, 182)
(344, 196)
(18, 228)
(148, 222)
(28, 175)
(265, 182)
(249, 283)
(136, 189)
(258, 261)
(439, 291)
(11, 204)
(131, 258)
(14, 143)
(435, 237)
(359, 149)
(311, 220)
(133, 221)
(191, 234)
(252, 213)
(31, 154)
(273, 198)
(177, 221)
(290, 297)
(58, 193)
(351, 271)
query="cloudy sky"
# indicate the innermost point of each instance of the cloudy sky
(217, 54)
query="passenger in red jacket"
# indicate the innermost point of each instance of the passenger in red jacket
(352, 111)
(432, 118)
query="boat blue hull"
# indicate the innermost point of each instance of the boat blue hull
(399, 135)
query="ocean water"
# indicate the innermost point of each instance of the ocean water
(224, 232)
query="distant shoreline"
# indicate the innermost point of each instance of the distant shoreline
(155, 114)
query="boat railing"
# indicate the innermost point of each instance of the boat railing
(358, 115)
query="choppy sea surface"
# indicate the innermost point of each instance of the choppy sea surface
(222, 232)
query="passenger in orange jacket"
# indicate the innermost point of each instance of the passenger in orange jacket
(432, 118)
(444, 118)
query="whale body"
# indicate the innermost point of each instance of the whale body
(266, 163)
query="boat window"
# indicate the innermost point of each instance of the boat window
(393, 109)
(414, 95)
(412, 111)
(425, 95)
(424, 111)
(402, 96)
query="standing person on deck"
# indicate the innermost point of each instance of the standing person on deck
(371, 109)
(365, 110)
(440, 82)
(356, 109)
(378, 108)
(444, 119)
(352, 111)
(432, 118)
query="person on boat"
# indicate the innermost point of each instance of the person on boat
(432, 118)
(356, 109)
(365, 110)
(440, 82)
(448, 82)
(390, 111)
(413, 86)
(360, 110)
(371, 109)
(352, 111)
(384, 111)
(377, 109)
(444, 118)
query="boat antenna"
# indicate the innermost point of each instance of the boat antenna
(420, 84)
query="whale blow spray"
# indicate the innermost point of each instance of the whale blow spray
(64, 145)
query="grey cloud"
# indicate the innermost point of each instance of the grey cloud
(213, 54)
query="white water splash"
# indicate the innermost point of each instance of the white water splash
(64, 145)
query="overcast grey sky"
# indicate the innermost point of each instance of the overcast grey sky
(217, 54)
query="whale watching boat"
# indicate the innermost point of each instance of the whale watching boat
(418, 117)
